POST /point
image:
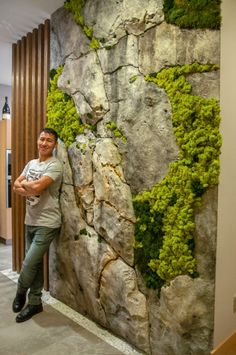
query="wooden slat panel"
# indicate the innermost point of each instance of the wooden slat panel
(28, 97)
(33, 118)
(13, 139)
(30, 61)
(15, 160)
(21, 122)
(46, 51)
(45, 77)
(40, 58)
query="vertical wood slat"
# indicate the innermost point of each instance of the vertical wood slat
(28, 97)
(30, 66)
(14, 168)
(45, 76)
(21, 109)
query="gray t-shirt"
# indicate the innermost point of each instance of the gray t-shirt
(44, 210)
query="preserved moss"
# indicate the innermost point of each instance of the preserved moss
(193, 13)
(75, 7)
(164, 246)
(61, 111)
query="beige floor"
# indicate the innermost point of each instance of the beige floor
(51, 332)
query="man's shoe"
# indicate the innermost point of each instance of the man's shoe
(29, 311)
(19, 302)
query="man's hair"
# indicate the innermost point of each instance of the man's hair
(50, 131)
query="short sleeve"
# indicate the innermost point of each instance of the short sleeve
(25, 170)
(53, 170)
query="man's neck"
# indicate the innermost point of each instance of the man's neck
(44, 157)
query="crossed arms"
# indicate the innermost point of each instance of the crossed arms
(31, 188)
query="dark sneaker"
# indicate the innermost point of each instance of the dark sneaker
(29, 311)
(18, 302)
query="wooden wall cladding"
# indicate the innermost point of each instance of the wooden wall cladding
(30, 73)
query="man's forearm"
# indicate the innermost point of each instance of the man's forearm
(21, 191)
(31, 187)
(36, 187)
(18, 188)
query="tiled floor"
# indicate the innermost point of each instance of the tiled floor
(5, 256)
(58, 330)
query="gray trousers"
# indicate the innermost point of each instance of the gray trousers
(38, 240)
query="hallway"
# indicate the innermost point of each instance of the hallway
(58, 330)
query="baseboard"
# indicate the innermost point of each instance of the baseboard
(227, 347)
(5, 241)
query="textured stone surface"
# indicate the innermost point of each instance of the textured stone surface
(61, 153)
(92, 263)
(88, 270)
(113, 209)
(168, 45)
(67, 38)
(83, 79)
(77, 260)
(124, 305)
(205, 84)
(183, 321)
(123, 54)
(142, 113)
(112, 20)
(80, 154)
(205, 234)
(109, 183)
(63, 283)
(117, 231)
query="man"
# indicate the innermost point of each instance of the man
(39, 182)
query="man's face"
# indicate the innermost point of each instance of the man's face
(46, 144)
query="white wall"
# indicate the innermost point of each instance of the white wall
(5, 63)
(225, 318)
(5, 74)
(5, 90)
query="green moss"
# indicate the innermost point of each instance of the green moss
(61, 111)
(117, 133)
(75, 7)
(165, 214)
(94, 44)
(108, 47)
(132, 79)
(83, 231)
(88, 31)
(193, 13)
(99, 239)
(111, 125)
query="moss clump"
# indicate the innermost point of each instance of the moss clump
(132, 79)
(117, 133)
(165, 215)
(61, 112)
(94, 44)
(75, 7)
(193, 13)
(83, 231)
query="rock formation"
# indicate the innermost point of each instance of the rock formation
(92, 263)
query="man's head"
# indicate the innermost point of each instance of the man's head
(47, 141)
(50, 131)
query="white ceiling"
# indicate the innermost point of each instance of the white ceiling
(17, 18)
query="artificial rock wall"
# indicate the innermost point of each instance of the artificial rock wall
(92, 263)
